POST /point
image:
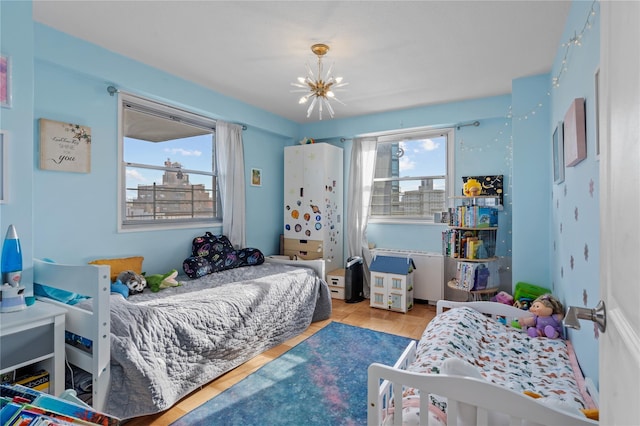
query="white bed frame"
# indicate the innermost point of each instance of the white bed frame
(92, 281)
(483, 397)
(318, 265)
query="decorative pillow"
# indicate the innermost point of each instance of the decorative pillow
(198, 266)
(120, 264)
(209, 245)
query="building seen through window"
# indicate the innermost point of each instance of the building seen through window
(168, 173)
(175, 198)
(410, 177)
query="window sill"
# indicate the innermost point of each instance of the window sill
(168, 226)
(427, 222)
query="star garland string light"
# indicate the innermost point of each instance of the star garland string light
(574, 41)
(508, 158)
(467, 149)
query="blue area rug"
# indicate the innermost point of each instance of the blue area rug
(321, 381)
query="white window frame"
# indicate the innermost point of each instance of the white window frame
(188, 117)
(425, 132)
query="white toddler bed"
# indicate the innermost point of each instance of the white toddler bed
(147, 351)
(471, 368)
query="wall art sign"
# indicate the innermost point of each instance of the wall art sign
(64, 147)
(5, 81)
(575, 142)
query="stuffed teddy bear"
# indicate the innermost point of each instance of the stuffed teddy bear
(135, 282)
(157, 282)
(548, 313)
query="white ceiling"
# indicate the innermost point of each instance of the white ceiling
(393, 54)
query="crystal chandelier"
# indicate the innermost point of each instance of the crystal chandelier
(318, 90)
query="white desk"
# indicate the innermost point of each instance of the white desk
(34, 335)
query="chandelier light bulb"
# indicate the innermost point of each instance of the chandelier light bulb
(317, 89)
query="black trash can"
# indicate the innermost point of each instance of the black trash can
(353, 280)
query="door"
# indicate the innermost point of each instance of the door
(620, 212)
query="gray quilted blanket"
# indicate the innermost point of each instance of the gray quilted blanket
(165, 345)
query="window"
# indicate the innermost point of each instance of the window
(379, 281)
(168, 175)
(411, 175)
(396, 283)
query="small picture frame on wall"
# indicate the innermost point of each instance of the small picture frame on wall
(256, 177)
(5, 81)
(558, 154)
(3, 167)
(575, 142)
(64, 147)
(597, 107)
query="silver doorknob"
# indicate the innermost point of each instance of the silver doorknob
(597, 315)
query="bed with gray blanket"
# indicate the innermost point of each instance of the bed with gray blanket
(165, 345)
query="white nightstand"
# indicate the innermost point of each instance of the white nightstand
(34, 336)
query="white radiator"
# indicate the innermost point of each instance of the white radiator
(428, 278)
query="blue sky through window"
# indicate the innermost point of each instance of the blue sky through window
(423, 157)
(192, 153)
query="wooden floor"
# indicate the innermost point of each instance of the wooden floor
(360, 314)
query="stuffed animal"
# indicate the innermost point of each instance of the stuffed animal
(472, 188)
(523, 303)
(157, 282)
(307, 141)
(135, 282)
(118, 287)
(590, 413)
(548, 313)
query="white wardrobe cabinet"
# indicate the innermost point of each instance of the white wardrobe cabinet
(313, 210)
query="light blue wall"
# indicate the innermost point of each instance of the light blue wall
(17, 41)
(72, 217)
(75, 215)
(574, 250)
(531, 180)
(479, 150)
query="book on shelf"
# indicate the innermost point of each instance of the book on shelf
(473, 217)
(472, 276)
(486, 217)
(38, 380)
(450, 247)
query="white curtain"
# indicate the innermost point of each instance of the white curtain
(230, 166)
(361, 172)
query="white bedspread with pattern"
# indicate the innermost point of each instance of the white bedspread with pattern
(502, 355)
